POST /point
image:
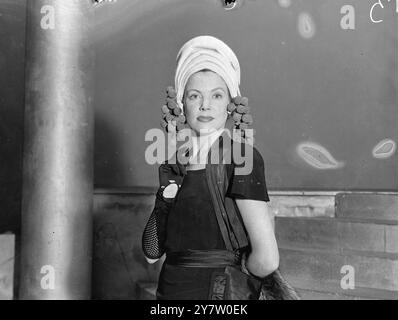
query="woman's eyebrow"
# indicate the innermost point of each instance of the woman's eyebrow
(215, 89)
(218, 88)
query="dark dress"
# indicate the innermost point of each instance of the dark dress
(192, 224)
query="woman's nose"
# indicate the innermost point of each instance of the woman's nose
(205, 105)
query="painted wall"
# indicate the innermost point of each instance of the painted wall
(323, 97)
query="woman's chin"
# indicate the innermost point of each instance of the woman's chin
(204, 129)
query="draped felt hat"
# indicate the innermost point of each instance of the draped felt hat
(206, 52)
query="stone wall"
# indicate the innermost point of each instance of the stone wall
(362, 235)
(317, 233)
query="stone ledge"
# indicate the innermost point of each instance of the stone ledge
(335, 235)
(286, 203)
(373, 206)
(378, 207)
(318, 270)
(302, 206)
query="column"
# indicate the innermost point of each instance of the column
(56, 237)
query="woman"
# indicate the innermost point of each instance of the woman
(185, 217)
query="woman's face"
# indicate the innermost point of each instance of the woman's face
(206, 99)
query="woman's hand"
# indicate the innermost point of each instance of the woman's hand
(264, 257)
(154, 235)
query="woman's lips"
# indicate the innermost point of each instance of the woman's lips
(204, 119)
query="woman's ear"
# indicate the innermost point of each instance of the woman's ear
(183, 103)
(229, 113)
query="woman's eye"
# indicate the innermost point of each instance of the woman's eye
(218, 95)
(193, 96)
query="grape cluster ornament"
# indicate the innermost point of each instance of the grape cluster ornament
(240, 112)
(172, 117)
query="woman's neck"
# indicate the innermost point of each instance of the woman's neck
(200, 147)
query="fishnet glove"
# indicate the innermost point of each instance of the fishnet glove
(154, 235)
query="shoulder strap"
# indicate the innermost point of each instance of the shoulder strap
(232, 209)
(227, 213)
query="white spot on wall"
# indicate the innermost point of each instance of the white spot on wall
(306, 25)
(285, 3)
(317, 156)
(384, 149)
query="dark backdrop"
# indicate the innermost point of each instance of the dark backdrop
(338, 89)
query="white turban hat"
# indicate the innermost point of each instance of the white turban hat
(206, 52)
